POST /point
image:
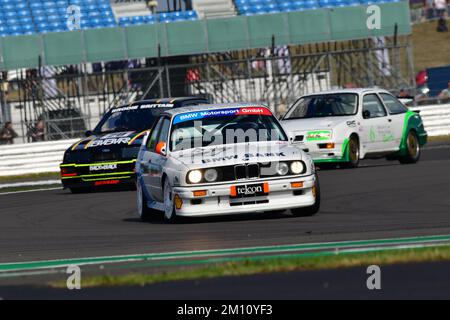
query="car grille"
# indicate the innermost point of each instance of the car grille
(249, 171)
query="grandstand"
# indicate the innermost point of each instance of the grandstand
(25, 17)
(252, 7)
(22, 17)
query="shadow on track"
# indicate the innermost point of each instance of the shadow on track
(257, 216)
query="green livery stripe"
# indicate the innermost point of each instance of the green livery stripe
(109, 178)
(412, 122)
(345, 155)
(99, 175)
(345, 150)
(95, 164)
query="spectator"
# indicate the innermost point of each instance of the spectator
(37, 133)
(445, 94)
(403, 94)
(441, 10)
(5, 107)
(7, 134)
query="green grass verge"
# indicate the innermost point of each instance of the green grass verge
(270, 265)
(30, 177)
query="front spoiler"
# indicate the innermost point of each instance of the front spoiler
(218, 201)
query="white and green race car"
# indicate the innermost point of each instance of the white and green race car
(345, 126)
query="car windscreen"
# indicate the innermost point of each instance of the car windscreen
(225, 126)
(133, 118)
(327, 105)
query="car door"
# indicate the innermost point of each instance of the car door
(397, 113)
(376, 124)
(158, 161)
(147, 157)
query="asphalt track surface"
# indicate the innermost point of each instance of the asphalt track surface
(412, 281)
(379, 200)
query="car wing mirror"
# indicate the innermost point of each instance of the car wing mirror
(366, 114)
(161, 148)
(88, 133)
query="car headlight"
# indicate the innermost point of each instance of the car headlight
(297, 167)
(211, 175)
(195, 176)
(282, 168)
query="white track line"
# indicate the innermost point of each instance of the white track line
(29, 184)
(28, 191)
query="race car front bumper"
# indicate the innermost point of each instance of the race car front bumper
(281, 195)
(326, 151)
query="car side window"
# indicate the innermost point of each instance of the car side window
(164, 132)
(153, 139)
(372, 107)
(394, 106)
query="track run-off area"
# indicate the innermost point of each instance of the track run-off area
(382, 205)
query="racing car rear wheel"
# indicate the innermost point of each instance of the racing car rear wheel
(353, 153)
(145, 213)
(170, 214)
(312, 210)
(412, 149)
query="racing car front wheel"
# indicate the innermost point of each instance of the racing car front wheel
(170, 214)
(144, 212)
(353, 153)
(312, 210)
(412, 149)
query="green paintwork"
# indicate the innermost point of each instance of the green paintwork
(413, 121)
(345, 155)
(319, 135)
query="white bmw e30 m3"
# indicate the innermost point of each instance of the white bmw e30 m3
(223, 159)
(345, 126)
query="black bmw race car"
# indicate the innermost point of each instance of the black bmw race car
(107, 156)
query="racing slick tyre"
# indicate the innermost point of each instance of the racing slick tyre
(144, 212)
(170, 214)
(412, 149)
(312, 210)
(353, 153)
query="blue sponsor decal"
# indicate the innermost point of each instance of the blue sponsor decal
(198, 115)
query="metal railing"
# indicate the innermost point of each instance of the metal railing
(72, 100)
